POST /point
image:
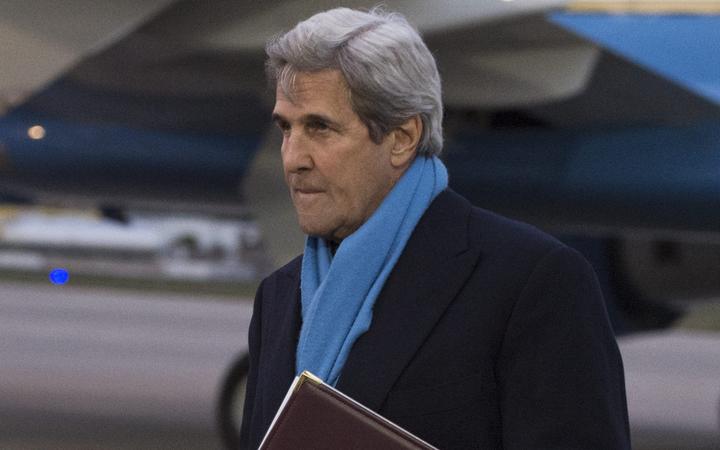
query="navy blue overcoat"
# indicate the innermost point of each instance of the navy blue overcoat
(487, 334)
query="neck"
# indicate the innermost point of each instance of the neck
(333, 246)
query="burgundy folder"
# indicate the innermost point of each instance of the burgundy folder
(314, 415)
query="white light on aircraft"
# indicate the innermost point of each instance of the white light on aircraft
(36, 132)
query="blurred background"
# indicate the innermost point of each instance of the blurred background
(142, 200)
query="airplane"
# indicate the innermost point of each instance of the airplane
(563, 114)
(596, 120)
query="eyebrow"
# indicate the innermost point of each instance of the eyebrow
(276, 117)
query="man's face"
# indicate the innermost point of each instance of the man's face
(336, 174)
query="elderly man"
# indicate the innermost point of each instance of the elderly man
(466, 328)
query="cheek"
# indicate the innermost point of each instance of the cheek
(354, 176)
(352, 189)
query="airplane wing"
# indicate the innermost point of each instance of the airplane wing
(42, 39)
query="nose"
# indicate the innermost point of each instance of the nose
(296, 156)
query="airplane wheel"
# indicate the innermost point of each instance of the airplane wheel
(231, 402)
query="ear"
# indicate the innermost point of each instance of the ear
(405, 142)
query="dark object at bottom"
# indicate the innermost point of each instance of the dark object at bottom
(231, 401)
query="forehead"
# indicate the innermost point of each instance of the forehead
(326, 90)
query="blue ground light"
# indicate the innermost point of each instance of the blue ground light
(59, 276)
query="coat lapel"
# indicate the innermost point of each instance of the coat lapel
(433, 268)
(282, 333)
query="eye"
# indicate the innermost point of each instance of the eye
(318, 125)
(283, 126)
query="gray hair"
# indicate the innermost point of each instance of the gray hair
(391, 74)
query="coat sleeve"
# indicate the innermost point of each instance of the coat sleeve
(560, 370)
(249, 412)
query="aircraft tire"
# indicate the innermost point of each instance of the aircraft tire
(231, 401)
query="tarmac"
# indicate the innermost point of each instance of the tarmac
(86, 368)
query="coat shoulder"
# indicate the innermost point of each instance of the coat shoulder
(497, 230)
(286, 273)
(496, 233)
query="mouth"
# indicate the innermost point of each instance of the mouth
(305, 189)
(302, 190)
(305, 194)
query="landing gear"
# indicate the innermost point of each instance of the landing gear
(231, 402)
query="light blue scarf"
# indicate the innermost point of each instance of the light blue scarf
(338, 293)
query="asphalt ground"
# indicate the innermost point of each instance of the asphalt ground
(84, 367)
(131, 367)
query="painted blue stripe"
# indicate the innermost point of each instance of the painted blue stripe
(95, 146)
(112, 156)
(655, 176)
(682, 48)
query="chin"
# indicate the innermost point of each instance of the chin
(321, 229)
(314, 230)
